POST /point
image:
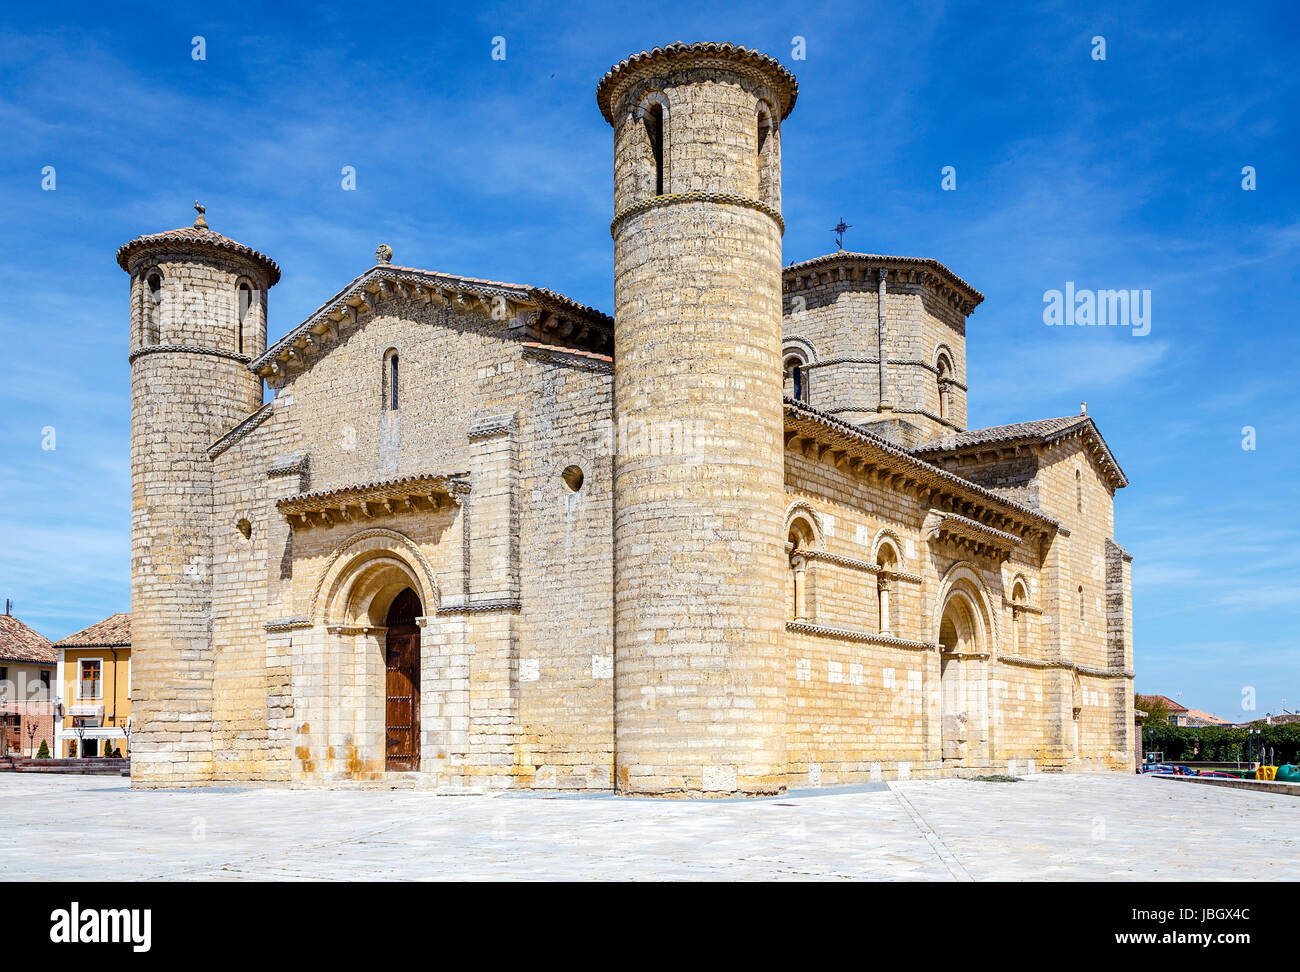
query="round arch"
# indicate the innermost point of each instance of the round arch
(802, 515)
(365, 574)
(887, 538)
(964, 590)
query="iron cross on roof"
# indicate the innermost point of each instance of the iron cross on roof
(838, 230)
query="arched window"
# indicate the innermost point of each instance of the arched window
(1019, 620)
(800, 540)
(654, 127)
(887, 561)
(796, 378)
(152, 309)
(245, 305)
(1080, 602)
(944, 377)
(1078, 491)
(769, 160)
(392, 399)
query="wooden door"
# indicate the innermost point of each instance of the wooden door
(402, 703)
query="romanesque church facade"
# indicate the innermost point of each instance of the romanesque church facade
(735, 539)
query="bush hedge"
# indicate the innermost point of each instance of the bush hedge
(1217, 744)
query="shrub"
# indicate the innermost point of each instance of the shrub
(1222, 744)
(44, 751)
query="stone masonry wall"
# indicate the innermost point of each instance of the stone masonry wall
(182, 399)
(700, 680)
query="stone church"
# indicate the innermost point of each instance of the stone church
(470, 535)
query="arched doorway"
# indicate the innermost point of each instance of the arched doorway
(402, 683)
(958, 634)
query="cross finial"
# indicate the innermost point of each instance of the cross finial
(201, 221)
(838, 230)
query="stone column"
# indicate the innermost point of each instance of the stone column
(799, 565)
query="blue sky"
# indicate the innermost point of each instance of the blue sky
(1123, 173)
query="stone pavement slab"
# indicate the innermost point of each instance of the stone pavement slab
(1081, 827)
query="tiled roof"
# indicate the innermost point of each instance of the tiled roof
(454, 485)
(114, 630)
(779, 76)
(795, 410)
(1284, 718)
(1200, 717)
(1042, 432)
(1000, 434)
(1169, 703)
(538, 346)
(193, 236)
(19, 643)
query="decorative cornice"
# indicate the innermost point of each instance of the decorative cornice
(198, 239)
(288, 624)
(848, 634)
(1020, 662)
(979, 538)
(569, 357)
(185, 349)
(481, 607)
(812, 553)
(1113, 547)
(672, 198)
(373, 499)
(844, 265)
(875, 359)
(679, 56)
(240, 430)
(538, 308)
(490, 427)
(893, 410)
(288, 465)
(868, 454)
(1104, 672)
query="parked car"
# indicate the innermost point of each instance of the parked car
(1164, 769)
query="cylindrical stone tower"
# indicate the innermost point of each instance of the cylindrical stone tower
(698, 549)
(198, 316)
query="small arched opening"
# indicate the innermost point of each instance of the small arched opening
(391, 381)
(944, 377)
(244, 294)
(887, 562)
(800, 539)
(1019, 620)
(151, 308)
(796, 377)
(769, 158)
(654, 132)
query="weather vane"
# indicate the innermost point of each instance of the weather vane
(838, 230)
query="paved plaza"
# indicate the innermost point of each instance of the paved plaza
(1093, 827)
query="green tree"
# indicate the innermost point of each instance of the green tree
(44, 751)
(1156, 710)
